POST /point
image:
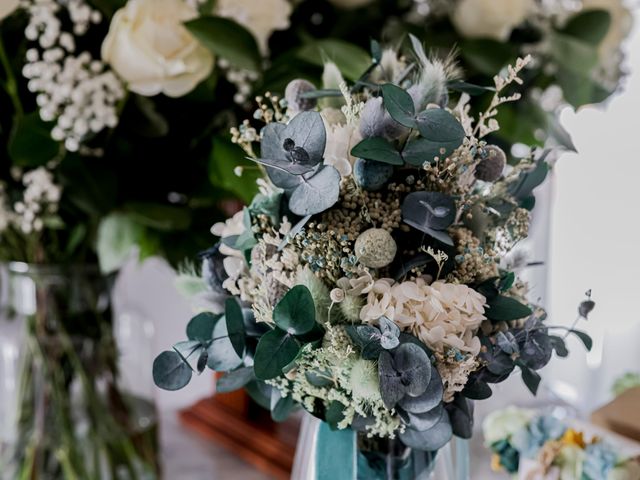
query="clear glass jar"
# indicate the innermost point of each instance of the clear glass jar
(64, 412)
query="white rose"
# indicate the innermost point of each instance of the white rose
(260, 17)
(490, 18)
(7, 7)
(621, 24)
(148, 46)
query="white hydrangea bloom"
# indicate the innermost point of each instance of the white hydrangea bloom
(441, 315)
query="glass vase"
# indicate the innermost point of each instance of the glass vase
(370, 458)
(64, 413)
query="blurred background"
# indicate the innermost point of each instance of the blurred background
(586, 220)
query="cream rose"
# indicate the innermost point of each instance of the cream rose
(7, 7)
(151, 50)
(260, 17)
(494, 19)
(621, 24)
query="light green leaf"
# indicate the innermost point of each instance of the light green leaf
(201, 326)
(350, 59)
(590, 26)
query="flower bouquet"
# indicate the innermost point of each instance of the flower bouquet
(540, 447)
(366, 282)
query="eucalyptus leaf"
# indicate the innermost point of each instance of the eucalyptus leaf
(235, 380)
(536, 350)
(584, 338)
(319, 379)
(316, 194)
(507, 342)
(235, 325)
(276, 349)
(190, 352)
(222, 355)
(334, 414)
(378, 149)
(461, 416)
(477, 390)
(295, 313)
(399, 104)
(425, 402)
(430, 440)
(442, 129)
(260, 393)
(529, 180)
(426, 420)
(559, 346)
(390, 333)
(201, 326)
(531, 379)
(404, 371)
(170, 372)
(281, 407)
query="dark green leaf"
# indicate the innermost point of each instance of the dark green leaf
(590, 26)
(531, 379)
(334, 414)
(580, 89)
(506, 309)
(530, 180)
(506, 281)
(260, 393)
(170, 372)
(276, 349)
(488, 56)
(584, 338)
(225, 156)
(559, 346)
(319, 379)
(399, 104)
(227, 39)
(235, 380)
(573, 54)
(201, 326)
(441, 134)
(31, 144)
(477, 390)
(296, 312)
(235, 325)
(378, 149)
(160, 217)
(190, 352)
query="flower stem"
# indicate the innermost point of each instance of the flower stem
(11, 85)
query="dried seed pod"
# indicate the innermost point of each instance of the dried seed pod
(492, 164)
(293, 96)
(371, 175)
(375, 248)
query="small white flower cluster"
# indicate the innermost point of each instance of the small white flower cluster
(242, 80)
(77, 91)
(39, 199)
(5, 213)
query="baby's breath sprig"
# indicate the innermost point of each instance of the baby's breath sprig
(487, 122)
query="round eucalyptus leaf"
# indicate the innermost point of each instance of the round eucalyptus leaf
(429, 399)
(414, 367)
(390, 333)
(428, 210)
(430, 440)
(316, 193)
(281, 407)
(201, 326)
(235, 380)
(190, 351)
(276, 349)
(425, 421)
(439, 126)
(391, 388)
(296, 312)
(537, 350)
(222, 355)
(170, 372)
(307, 132)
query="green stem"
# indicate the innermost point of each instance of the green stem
(11, 85)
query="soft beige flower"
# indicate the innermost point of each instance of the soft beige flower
(7, 7)
(341, 139)
(441, 315)
(260, 17)
(149, 47)
(231, 227)
(621, 24)
(494, 19)
(337, 295)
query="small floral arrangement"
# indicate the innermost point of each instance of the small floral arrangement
(540, 447)
(365, 281)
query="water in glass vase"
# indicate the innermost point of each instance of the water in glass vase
(64, 413)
